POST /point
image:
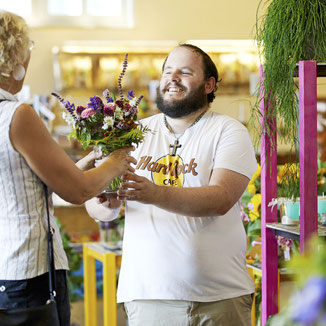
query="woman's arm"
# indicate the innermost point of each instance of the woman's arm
(88, 161)
(31, 139)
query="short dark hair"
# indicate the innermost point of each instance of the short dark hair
(210, 69)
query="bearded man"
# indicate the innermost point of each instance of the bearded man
(184, 243)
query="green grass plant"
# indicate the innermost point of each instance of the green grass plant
(289, 31)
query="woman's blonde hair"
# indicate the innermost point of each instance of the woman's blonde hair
(14, 43)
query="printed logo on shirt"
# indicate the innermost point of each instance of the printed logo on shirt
(167, 170)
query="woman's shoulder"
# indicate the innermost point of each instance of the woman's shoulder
(24, 115)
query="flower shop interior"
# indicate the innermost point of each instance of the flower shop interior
(79, 48)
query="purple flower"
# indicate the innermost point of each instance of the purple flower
(80, 109)
(109, 110)
(284, 242)
(106, 94)
(133, 110)
(130, 94)
(70, 107)
(95, 103)
(323, 319)
(122, 126)
(310, 300)
(251, 206)
(87, 113)
(244, 217)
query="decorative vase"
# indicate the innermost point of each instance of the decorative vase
(291, 212)
(115, 184)
(321, 205)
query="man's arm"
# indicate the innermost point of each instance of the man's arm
(224, 190)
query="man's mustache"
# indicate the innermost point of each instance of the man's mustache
(174, 84)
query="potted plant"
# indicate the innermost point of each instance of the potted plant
(288, 31)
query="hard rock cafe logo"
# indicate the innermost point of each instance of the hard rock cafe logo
(167, 170)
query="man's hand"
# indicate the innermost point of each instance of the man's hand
(138, 188)
(109, 200)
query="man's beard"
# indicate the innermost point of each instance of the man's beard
(181, 108)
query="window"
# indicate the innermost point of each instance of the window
(85, 13)
(22, 8)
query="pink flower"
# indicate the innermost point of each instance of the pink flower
(87, 113)
(109, 110)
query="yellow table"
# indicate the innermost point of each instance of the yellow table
(253, 272)
(111, 261)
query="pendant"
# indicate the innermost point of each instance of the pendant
(175, 146)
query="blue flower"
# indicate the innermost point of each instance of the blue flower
(106, 94)
(130, 95)
(308, 303)
(95, 103)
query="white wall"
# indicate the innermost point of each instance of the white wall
(178, 20)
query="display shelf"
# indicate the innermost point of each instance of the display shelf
(321, 70)
(292, 231)
(307, 73)
(286, 272)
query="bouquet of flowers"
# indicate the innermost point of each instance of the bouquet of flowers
(106, 126)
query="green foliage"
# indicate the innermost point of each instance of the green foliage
(112, 142)
(321, 177)
(312, 263)
(289, 31)
(253, 231)
(289, 185)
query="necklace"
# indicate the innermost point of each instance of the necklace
(176, 144)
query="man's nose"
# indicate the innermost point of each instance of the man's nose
(175, 76)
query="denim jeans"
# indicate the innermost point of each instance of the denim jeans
(35, 292)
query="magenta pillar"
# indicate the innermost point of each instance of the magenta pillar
(308, 150)
(268, 159)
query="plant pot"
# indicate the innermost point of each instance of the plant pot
(291, 212)
(321, 205)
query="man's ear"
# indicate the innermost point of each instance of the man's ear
(210, 85)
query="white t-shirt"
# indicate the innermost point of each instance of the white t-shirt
(169, 256)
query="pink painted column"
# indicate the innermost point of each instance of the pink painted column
(268, 160)
(308, 150)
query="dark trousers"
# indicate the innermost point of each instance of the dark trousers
(35, 292)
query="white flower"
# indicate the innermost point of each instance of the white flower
(69, 119)
(133, 101)
(118, 114)
(108, 122)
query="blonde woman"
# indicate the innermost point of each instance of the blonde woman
(29, 156)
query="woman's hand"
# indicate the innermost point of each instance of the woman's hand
(120, 160)
(88, 161)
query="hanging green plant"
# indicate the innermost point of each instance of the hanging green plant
(289, 31)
